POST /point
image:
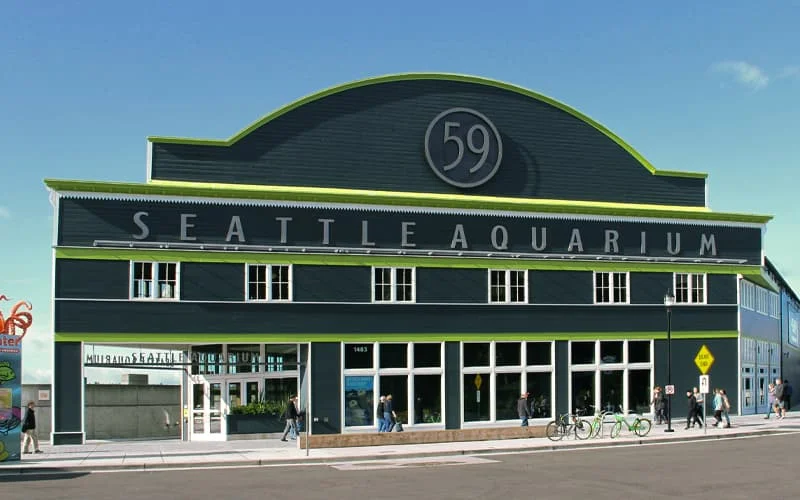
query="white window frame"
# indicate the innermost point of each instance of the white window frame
(691, 279)
(598, 367)
(393, 285)
(409, 371)
(155, 288)
(493, 369)
(507, 286)
(612, 285)
(268, 295)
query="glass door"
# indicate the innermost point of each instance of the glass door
(763, 390)
(208, 423)
(748, 390)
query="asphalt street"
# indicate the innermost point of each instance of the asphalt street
(731, 469)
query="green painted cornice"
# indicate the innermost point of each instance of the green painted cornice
(428, 76)
(391, 198)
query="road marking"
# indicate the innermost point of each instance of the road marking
(411, 463)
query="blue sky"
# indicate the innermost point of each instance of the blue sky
(709, 87)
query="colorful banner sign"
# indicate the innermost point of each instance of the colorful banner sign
(10, 396)
(12, 330)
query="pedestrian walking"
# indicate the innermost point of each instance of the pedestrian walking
(659, 405)
(770, 400)
(699, 399)
(522, 409)
(780, 410)
(726, 407)
(389, 416)
(787, 395)
(29, 429)
(691, 409)
(379, 414)
(290, 415)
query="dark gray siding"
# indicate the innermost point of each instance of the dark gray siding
(372, 138)
(207, 281)
(452, 285)
(560, 287)
(331, 283)
(232, 317)
(685, 375)
(326, 404)
(722, 288)
(562, 375)
(67, 388)
(649, 288)
(760, 326)
(452, 385)
(92, 279)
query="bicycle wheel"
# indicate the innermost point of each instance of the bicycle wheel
(554, 431)
(616, 429)
(583, 429)
(642, 427)
(596, 427)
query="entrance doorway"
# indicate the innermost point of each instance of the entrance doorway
(748, 390)
(207, 422)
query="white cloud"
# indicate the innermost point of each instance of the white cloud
(747, 74)
(37, 376)
(5, 213)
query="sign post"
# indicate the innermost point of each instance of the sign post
(703, 361)
(704, 385)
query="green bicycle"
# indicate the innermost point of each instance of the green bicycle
(640, 426)
(598, 421)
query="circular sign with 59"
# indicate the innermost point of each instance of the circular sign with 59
(463, 147)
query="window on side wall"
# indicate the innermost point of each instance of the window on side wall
(393, 284)
(269, 282)
(154, 280)
(508, 286)
(690, 288)
(611, 288)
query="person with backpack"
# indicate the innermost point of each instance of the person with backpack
(29, 429)
(290, 415)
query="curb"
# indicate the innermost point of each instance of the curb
(587, 445)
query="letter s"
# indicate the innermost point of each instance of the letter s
(137, 219)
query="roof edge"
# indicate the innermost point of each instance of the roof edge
(427, 76)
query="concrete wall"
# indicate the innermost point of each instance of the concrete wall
(118, 411)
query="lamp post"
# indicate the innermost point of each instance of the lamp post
(669, 301)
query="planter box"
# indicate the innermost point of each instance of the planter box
(254, 424)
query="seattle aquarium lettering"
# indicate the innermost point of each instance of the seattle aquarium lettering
(456, 236)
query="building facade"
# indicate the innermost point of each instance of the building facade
(453, 241)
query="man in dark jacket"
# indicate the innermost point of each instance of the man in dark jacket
(29, 429)
(291, 419)
(522, 409)
(691, 408)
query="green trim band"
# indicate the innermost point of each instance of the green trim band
(201, 338)
(392, 261)
(390, 198)
(429, 76)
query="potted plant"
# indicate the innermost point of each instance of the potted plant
(263, 416)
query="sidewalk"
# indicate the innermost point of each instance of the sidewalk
(147, 455)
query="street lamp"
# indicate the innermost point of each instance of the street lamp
(669, 301)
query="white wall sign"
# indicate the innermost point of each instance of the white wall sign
(44, 395)
(704, 383)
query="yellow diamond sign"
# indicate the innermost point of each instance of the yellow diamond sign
(478, 381)
(704, 360)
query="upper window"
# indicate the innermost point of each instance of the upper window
(269, 282)
(690, 288)
(611, 288)
(154, 280)
(393, 284)
(508, 287)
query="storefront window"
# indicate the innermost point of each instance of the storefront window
(281, 357)
(477, 397)
(507, 354)
(244, 358)
(427, 399)
(538, 353)
(611, 352)
(582, 353)
(428, 355)
(639, 391)
(359, 401)
(583, 392)
(508, 389)
(611, 390)
(277, 391)
(397, 387)
(638, 351)
(207, 359)
(358, 356)
(476, 354)
(393, 356)
(540, 394)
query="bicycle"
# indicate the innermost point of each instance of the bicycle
(640, 426)
(567, 424)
